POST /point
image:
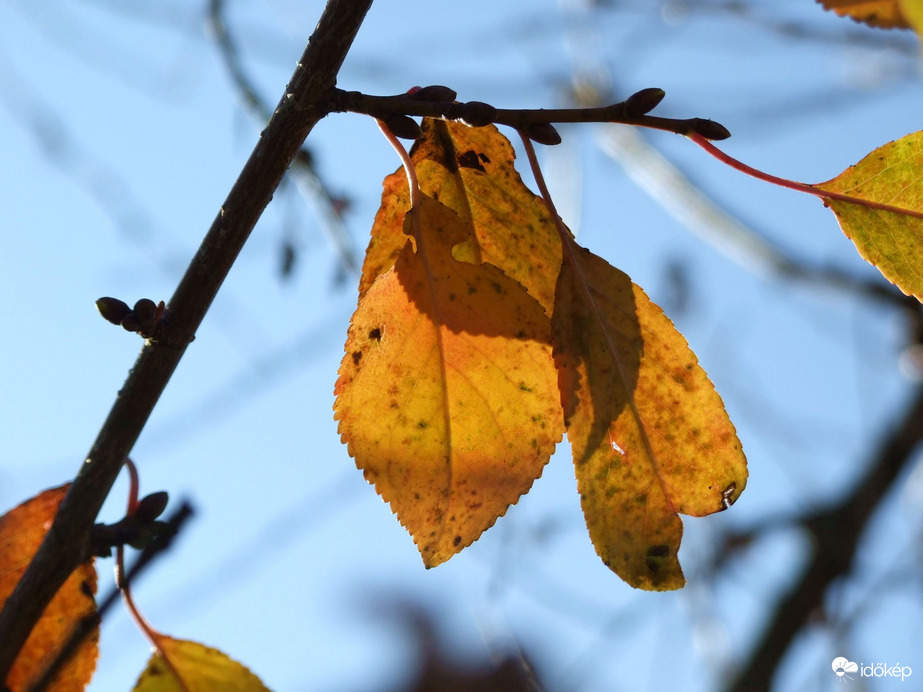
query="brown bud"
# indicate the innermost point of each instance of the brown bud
(151, 506)
(543, 133)
(644, 101)
(130, 323)
(709, 129)
(477, 113)
(434, 92)
(403, 126)
(112, 309)
(146, 312)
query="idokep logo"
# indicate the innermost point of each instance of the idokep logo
(842, 668)
(845, 670)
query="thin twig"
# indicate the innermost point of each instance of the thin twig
(405, 104)
(746, 246)
(301, 107)
(90, 622)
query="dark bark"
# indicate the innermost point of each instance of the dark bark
(303, 104)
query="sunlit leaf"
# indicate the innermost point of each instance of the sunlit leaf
(471, 171)
(201, 668)
(913, 14)
(649, 434)
(890, 239)
(885, 14)
(447, 396)
(21, 532)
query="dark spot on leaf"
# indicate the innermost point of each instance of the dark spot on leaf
(521, 334)
(357, 356)
(451, 296)
(422, 425)
(375, 334)
(524, 387)
(470, 160)
(472, 289)
(484, 158)
(652, 565)
(658, 551)
(86, 589)
(457, 540)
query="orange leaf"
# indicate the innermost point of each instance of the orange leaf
(201, 668)
(892, 238)
(471, 171)
(649, 434)
(885, 14)
(447, 395)
(21, 532)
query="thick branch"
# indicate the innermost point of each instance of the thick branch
(303, 104)
(836, 533)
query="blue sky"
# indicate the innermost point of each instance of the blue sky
(121, 135)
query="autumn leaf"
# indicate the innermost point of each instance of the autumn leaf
(201, 668)
(649, 434)
(22, 530)
(885, 14)
(447, 395)
(913, 14)
(471, 170)
(890, 237)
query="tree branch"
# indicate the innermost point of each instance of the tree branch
(85, 627)
(835, 533)
(301, 107)
(406, 104)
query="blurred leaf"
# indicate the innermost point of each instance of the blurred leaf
(913, 13)
(885, 14)
(21, 532)
(201, 668)
(447, 396)
(649, 434)
(892, 240)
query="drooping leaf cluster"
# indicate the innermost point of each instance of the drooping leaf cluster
(483, 332)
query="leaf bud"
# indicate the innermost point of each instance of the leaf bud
(477, 113)
(130, 323)
(709, 129)
(644, 101)
(543, 133)
(403, 126)
(151, 506)
(146, 312)
(112, 309)
(434, 92)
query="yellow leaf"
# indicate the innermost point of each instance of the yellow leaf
(447, 395)
(201, 668)
(649, 434)
(471, 171)
(885, 14)
(22, 530)
(913, 13)
(891, 239)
